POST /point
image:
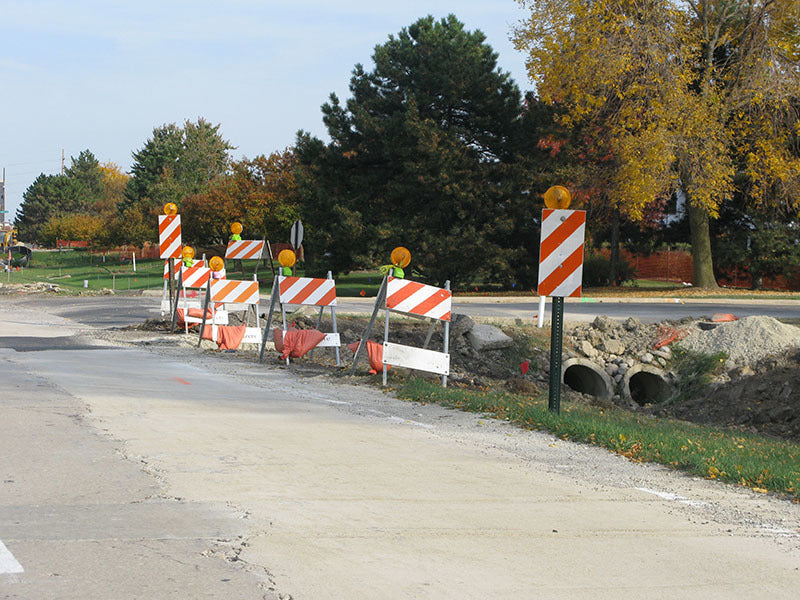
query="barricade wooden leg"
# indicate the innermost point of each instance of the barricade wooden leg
(175, 303)
(446, 344)
(285, 329)
(336, 330)
(381, 299)
(385, 339)
(273, 300)
(205, 312)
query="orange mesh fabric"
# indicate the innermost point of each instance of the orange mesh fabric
(228, 336)
(375, 353)
(297, 342)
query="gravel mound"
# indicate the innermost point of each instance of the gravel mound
(746, 341)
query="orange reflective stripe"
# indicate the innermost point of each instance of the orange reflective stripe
(430, 303)
(558, 276)
(307, 290)
(562, 232)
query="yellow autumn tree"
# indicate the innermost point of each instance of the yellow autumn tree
(691, 94)
(114, 181)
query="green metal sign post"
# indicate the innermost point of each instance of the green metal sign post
(556, 336)
(560, 272)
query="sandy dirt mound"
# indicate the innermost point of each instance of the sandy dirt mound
(746, 341)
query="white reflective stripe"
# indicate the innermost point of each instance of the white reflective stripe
(416, 358)
(252, 335)
(418, 297)
(331, 340)
(8, 564)
(553, 220)
(569, 285)
(560, 254)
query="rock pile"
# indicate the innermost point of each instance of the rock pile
(36, 287)
(617, 346)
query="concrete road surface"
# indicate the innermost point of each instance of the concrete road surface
(157, 471)
(121, 310)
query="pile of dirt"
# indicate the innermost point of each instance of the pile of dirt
(37, 287)
(767, 401)
(745, 342)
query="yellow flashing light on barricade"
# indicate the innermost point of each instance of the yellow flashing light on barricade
(216, 263)
(287, 258)
(557, 197)
(187, 252)
(236, 228)
(170, 208)
(400, 257)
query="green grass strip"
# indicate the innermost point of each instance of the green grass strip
(757, 462)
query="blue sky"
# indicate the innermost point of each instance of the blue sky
(101, 75)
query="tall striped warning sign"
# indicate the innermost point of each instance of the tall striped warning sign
(561, 252)
(245, 249)
(418, 299)
(307, 291)
(169, 236)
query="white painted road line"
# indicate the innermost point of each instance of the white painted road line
(8, 564)
(670, 496)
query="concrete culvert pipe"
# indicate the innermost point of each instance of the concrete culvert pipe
(587, 377)
(646, 385)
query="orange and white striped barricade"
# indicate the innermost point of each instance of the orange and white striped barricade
(231, 291)
(186, 278)
(419, 300)
(191, 279)
(305, 291)
(245, 250)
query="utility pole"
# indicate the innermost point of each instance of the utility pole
(62, 161)
(3, 198)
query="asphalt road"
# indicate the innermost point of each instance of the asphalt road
(122, 310)
(160, 471)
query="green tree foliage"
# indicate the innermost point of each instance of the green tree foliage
(424, 154)
(53, 196)
(174, 163)
(85, 171)
(68, 206)
(765, 242)
(260, 193)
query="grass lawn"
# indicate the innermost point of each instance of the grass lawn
(757, 462)
(70, 268)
